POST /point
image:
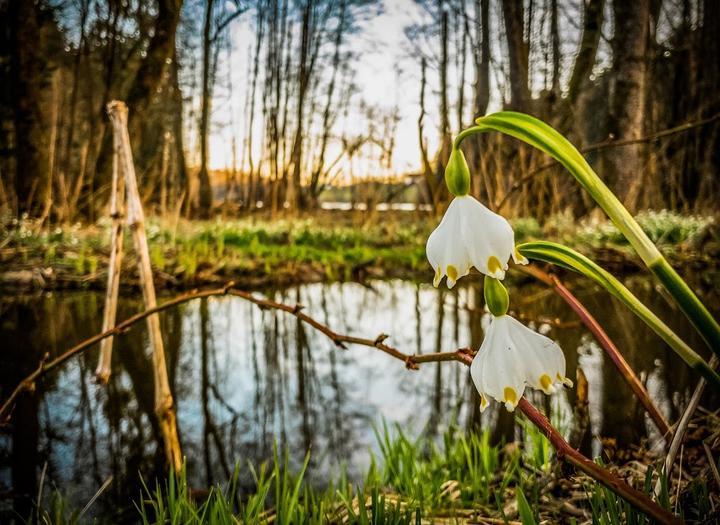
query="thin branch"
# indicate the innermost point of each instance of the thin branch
(222, 25)
(564, 451)
(28, 383)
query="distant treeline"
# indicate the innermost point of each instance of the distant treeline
(611, 75)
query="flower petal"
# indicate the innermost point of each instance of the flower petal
(511, 356)
(495, 369)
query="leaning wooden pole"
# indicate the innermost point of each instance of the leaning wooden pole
(104, 367)
(164, 406)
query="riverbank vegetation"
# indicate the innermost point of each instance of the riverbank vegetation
(459, 478)
(327, 246)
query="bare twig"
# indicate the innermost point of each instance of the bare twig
(28, 384)
(609, 144)
(564, 451)
(713, 464)
(683, 424)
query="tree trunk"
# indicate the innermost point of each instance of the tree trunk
(180, 185)
(585, 58)
(28, 71)
(446, 138)
(627, 106)
(144, 87)
(518, 54)
(205, 204)
(294, 193)
(481, 57)
(315, 186)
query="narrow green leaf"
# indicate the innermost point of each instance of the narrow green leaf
(558, 254)
(543, 137)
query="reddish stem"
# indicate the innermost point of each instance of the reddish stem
(595, 471)
(607, 345)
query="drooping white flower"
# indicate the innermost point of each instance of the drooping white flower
(471, 235)
(513, 356)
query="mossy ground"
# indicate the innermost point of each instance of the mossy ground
(327, 246)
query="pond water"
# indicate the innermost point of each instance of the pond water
(245, 378)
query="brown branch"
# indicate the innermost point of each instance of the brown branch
(564, 451)
(29, 382)
(609, 144)
(606, 343)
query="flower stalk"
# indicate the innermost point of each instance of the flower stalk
(496, 295)
(545, 138)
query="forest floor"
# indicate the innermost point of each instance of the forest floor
(327, 246)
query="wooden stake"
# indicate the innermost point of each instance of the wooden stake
(164, 405)
(104, 368)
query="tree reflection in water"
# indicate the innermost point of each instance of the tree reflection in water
(245, 378)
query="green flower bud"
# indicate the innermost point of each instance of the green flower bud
(496, 296)
(457, 174)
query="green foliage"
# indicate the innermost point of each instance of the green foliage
(568, 258)
(609, 509)
(664, 227)
(417, 478)
(526, 514)
(313, 248)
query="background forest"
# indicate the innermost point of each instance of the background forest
(282, 180)
(636, 85)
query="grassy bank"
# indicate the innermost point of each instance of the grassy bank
(327, 246)
(460, 479)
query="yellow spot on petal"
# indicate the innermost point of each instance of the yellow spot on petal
(452, 272)
(494, 265)
(510, 396)
(438, 276)
(545, 382)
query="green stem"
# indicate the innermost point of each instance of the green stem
(568, 258)
(545, 138)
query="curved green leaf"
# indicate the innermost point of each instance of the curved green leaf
(545, 138)
(568, 258)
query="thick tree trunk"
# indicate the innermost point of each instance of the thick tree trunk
(518, 54)
(585, 58)
(29, 78)
(482, 57)
(625, 164)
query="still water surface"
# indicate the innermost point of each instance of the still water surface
(244, 378)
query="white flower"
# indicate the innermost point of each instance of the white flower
(512, 356)
(471, 235)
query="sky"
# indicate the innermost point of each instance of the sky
(385, 73)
